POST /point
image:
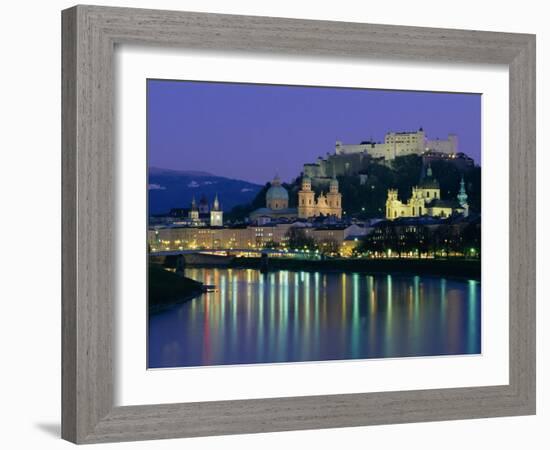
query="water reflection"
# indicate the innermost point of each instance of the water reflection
(300, 316)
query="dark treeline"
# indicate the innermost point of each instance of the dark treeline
(445, 239)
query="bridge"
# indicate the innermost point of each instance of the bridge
(225, 257)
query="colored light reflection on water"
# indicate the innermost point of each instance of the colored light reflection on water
(301, 316)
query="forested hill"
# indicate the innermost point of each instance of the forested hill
(367, 199)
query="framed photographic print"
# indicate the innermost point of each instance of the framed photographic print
(278, 224)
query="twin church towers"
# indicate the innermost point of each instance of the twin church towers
(277, 200)
(325, 205)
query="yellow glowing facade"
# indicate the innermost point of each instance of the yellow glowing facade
(425, 201)
(329, 204)
(252, 237)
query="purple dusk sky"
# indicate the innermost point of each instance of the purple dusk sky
(251, 132)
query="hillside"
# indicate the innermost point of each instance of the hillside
(367, 199)
(175, 189)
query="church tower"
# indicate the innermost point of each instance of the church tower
(462, 197)
(334, 199)
(194, 211)
(216, 214)
(392, 204)
(306, 200)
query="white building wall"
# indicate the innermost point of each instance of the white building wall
(400, 144)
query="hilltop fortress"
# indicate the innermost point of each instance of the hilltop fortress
(349, 159)
(400, 144)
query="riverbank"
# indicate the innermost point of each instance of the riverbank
(438, 267)
(166, 289)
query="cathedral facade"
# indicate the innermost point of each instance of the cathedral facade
(426, 201)
(277, 201)
(325, 205)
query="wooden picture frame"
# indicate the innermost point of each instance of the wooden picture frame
(90, 34)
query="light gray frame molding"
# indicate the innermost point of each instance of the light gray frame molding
(89, 36)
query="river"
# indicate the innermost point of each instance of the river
(290, 316)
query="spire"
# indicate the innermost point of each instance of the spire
(216, 206)
(333, 187)
(193, 203)
(462, 196)
(429, 173)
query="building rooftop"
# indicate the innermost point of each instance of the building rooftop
(438, 203)
(268, 211)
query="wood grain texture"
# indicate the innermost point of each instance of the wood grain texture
(68, 224)
(89, 36)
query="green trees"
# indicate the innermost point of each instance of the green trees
(297, 239)
(328, 247)
(272, 244)
(449, 176)
(442, 240)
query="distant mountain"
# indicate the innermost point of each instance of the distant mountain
(168, 172)
(169, 189)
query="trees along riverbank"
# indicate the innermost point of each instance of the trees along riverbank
(168, 288)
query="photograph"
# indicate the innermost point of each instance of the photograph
(308, 224)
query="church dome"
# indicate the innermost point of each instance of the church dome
(276, 191)
(429, 183)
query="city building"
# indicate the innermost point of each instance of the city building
(400, 144)
(193, 216)
(460, 160)
(426, 201)
(198, 215)
(276, 199)
(329, 204)
(351, 159)
(216, 214)
(252, 237)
